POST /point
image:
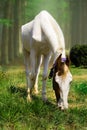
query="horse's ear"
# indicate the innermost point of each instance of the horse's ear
(58, 60)
(67, 61)
(59, 57)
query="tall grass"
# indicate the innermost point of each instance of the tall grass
(17, 114)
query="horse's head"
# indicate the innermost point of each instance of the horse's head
(61, 80)
(61, 71)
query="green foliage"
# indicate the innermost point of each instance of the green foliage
(6, 22)
(55, 7)
(17, 114)
(78, 55)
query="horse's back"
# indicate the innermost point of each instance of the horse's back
(26, 32)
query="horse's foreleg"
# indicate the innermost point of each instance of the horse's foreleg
(39, 61)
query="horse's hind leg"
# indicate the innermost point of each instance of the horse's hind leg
(27, 70)
(44, 78)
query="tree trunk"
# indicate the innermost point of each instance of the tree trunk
(11, 32)
(74, 22)
(78, 21)
(84, 22)
(16, 28)
(5, 30)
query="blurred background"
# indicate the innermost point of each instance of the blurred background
(70, 14)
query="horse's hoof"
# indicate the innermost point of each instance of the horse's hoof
(29, 99)
(36, 92)
(45, 99)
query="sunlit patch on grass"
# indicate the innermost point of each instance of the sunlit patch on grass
(80, 77)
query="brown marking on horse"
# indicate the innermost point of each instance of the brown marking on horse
(61, 69)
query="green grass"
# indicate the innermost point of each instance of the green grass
(17, 114)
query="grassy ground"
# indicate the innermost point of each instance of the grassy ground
(17, 114)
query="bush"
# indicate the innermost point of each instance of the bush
(78, 55)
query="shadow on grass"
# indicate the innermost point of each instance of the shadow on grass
(21, 91)
(36, 99)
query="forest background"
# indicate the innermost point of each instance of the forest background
(70, 14)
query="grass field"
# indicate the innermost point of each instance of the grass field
(17, 114)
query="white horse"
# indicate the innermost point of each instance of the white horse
(41, 36)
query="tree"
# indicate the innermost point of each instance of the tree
(11, 24)
(78, 21)
(4, 42)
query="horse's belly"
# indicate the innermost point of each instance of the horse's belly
(42, 48)
(26, 46)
